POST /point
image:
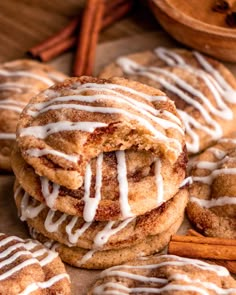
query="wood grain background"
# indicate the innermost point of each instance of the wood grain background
(24, 23)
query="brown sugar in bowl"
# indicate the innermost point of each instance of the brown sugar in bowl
(195, 24)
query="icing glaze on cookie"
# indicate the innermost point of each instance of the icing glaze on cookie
(221, 90)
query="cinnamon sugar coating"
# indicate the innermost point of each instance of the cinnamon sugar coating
(165, 274)
(141, 179)
(91, 259)
(203, 89)
(74, 231)
(20, 80)
(212, 205)
(75, 121)
(27, 266)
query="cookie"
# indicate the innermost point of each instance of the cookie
(26, 266)
(131, 183)
(212, 205)
(203, 89)
(20, 80)
(95, 259)
(74, 231)
(69, 124)
(165, 274)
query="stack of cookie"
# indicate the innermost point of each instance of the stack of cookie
(20, 80)
(99, 167)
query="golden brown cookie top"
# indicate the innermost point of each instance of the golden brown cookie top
(165, 274)
(27, 266)
(117, 185)
(20, 80)
(72, 122)
(203, 89)
(212, 206)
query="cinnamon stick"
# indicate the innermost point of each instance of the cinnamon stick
(63, 40)
(204, 240)
(204, 251)
(203, 247)
(90, 26)
(230, 265)
(192, 232)
(61, 47)
(120, 11)
(88, 70)
(55, 39)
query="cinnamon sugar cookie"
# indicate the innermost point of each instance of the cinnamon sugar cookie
(20, 80)
(66, 126)
(212, 205)
(203, 89)
(27, 267)
(165, 274)
(96, 259)
(74, 231)
(131, 183)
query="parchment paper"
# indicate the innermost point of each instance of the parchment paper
(106, 53)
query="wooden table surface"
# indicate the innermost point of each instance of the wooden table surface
(25, 23)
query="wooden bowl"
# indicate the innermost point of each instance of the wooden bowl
(207, 32)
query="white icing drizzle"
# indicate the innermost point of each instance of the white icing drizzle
(125, 89)
(123, 184)
(143, 108)
(207, 285)
(85, 126)
(228, 140)
(215, 170)
(12, 258)
(86, 257)
(44, 285)
(28, 211)
(219, 154)
(7, 136)
(10, 108)
(148, 112)
(42, 152)
(74, 237)
(187, 180)
(51, 128)
(12, 86)
(159, 182)
(52, 226)
(91, 204)
(177, 261)
(116, 288)
(219, 201)
(26, 74)
(104, 235)
(211, 77)
(12, 105)
(50, 197)
(29, 251)
(209, 178)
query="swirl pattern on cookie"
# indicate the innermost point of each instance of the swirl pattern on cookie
(162, 274)
(20, 80)
(212, 206)
(204, 90)
(83, 117)
(115, 185)
(74, 231)
(100, 259)
(27, 266)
